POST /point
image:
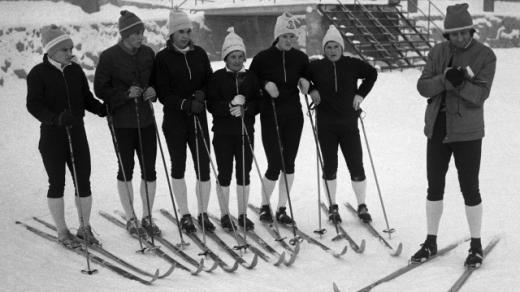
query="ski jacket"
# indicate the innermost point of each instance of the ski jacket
(177, 76)
(223, 87)
(464, 104)
(284, 68)
(118, 69)
(51, 91)
(337, 83)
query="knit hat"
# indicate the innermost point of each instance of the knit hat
(129, 24)
(285, 23)
(178, 20)
(232, 42)
(53, 38)
(333, 35)
(457, 18)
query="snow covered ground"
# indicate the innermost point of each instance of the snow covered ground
(394, 125)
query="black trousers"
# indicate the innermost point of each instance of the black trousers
(128, 140)
(467, 156)
(55, 152)
(177, 147)
(290, 133)
(227, 147)
(347, 138)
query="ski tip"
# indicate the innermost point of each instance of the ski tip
(169, 272)
(228, 269)
(212, 268)
(254, 262)
(199, 269)
(398, 250)
(341, 253)
(335, 287)
(361, 247)
(280, 260)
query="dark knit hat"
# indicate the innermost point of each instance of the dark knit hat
(457, 18)
(129, 23)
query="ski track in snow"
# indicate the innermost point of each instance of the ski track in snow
(394, 123)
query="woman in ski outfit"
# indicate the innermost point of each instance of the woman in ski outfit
(338, 98)
(123, 80)
(456, 81)
(58, 95)
(233, 94)
(182, 72)
(281, 70)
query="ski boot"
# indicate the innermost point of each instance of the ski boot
(427, 250)
(85, 233)
(334, 217)
(227, 224)
(249, 224)
(133, 227)
(68, 240)
(474, 259)
(265, 214)
(187, 224)
(282, 217)
(207, 224)
(363, 214)
(150, 227)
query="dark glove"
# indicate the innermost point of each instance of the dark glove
(197, 106)
(186, 106)
(102, 111)
(455, 76)
(199, 95)
(65, 119)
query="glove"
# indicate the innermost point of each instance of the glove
(236, 111)
(102, 111)
(186, 106)
(303, 84)
(455, 76)
(271, 88)
(238, 100)
(197, 107)
(315, 95)
(134, 92)
(199, 95)
(65, 119)
(358, 99)
(149, 94)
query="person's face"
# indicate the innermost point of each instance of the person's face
(64, 54)
(460, 39)
(333, 51)
(135, 40)
(286, 41)
(182, 38)
(235, 60)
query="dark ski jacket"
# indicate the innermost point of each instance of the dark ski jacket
(464, 104)
(224, 86)
(118, 69)
(284, 68)
(50, 91)
(177, 76)
(337, 83)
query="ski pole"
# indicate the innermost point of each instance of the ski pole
(243, 174)
(199, 190)
(238, 246)
(280, 146)
(110, 121)
(388, 229)
(76, 187)
(320, 158)
(182, 243)
(143, 164)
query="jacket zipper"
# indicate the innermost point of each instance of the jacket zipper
(335, 77)
(283, 64)
(187, 65)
